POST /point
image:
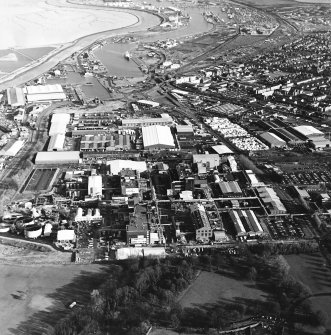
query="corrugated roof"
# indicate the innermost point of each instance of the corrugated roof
(44, 89)
(157, 135)
(308, 131)
(46, 97)
(56, 142)
(57, 157)
(273, 139)
(222, 149)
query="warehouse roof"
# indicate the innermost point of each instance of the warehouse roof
(222, 149)
(57, 156)
(61, 117)
(157, 135)
(273, 139)
(46, 97)
(230, 187)
(56, 142)
(57, 128)
(149, 103)
(184, 128)
(13, 149)
(15, 96)
(44, 89)
(116, 166)
(308, 131)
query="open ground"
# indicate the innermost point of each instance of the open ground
(34, 298)
(313, 272)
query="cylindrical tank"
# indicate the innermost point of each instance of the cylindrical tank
(79, 212)
(4, 227)
(33, 231)
(48, 229)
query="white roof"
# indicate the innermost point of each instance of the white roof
(56, 142)
(184, 128)
(14, 148)
(15, 96)
(118, 165)
(44, 89)
(308, 130)
(95, 185)
(61, 117)
(57, 128)
(124, 253)
(157, 135)
(222, 149)
(149, 103)
(59, 157)
(66, 235)
(46, 97)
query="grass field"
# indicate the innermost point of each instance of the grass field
(212, 288)
(47, 290)
(310, 270)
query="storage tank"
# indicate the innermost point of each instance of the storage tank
(48, 229)
(33, 231)
(4, 227)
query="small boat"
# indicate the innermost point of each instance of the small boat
(89, 83)
(127, 55)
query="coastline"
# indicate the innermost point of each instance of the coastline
(43, 64)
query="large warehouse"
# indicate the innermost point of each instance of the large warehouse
(59, 124)
(57, 157)
(45, 93)
(117, 165)
(12, 149)
(157, 138)
(246, 223)
(15, 97)
(272, 140)
(56, 142)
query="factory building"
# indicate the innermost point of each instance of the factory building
(312, 135)
(59, 124)
(271, 200)
(147, 104)
(157, 138)
(57, 157)
(56, 142)
(210, 160)
(116, 166)
(164, 120)
(222, 150)
(203, 230)
(230, 189)
(246, 223)
(94, 186)
(252, 179)
(105, 142)
(12, 149)
(15, 97)
(41, 93)
(272, 140)
(184, 130)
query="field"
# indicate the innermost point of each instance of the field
(212, 288)
(311, 270)
(34, 298)
(39, 180)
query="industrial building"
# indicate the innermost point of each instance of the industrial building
(314, 136)
(157, 138)
(56, 142)
(252, 179)
(184, 130)
(164, 120)
(12, 149)
(57, 157)
(230, 189)
(15, 97)
(203, 230)
(41, 93)
(272, 140)
(222, 149)
(105, 142)
(147, 104)
(210, 160)
(59, 124)
(95, 186)
(116, 166)
(271, 200)
(246, 223)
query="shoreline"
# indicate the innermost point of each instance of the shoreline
(64, 48)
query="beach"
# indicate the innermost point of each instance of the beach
(43, 23)
(124, 21)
